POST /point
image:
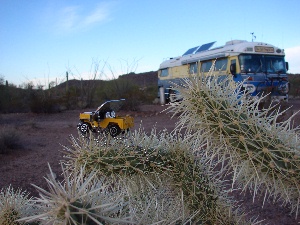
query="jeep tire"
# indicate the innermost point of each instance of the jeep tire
(84, 128)
(114, 130)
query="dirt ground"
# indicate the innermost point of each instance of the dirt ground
(44, 135)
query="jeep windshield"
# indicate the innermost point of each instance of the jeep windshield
(114, 105)
(268, 64)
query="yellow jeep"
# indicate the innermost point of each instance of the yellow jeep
(104, 118)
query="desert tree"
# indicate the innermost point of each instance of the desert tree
(87, 89)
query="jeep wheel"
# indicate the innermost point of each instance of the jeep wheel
(114, 130)
(84, 128)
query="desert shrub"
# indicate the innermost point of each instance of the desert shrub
(40, 102)
(9, 140)
(13, 99)
(118, 89)
(134, 98)
(294, 80)
(148, 94)
(70, 99)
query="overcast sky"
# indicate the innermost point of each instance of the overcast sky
(42, 39)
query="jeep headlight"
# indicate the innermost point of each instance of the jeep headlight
(249, 88)
(111, 114)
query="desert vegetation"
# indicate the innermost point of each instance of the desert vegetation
(294, 80)
(9, 140)
(78, 94)
(222, 142)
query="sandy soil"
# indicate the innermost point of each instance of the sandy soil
(43, 137)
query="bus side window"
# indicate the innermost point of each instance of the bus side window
(164, 72)
(233, 67)
(193, 68)
(221, 64)
(205, 66)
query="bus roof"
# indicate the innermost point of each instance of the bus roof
(234, 47)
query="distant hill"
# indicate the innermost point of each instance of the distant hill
(142, 79)
(145, 79)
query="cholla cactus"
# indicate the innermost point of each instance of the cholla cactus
(156, 155)
(151, 200)
(14, 204)
(79, 199)
(264, 154)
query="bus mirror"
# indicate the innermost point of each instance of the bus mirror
(287, 66)
(233, 69)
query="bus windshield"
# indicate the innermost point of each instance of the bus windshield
(268, 64)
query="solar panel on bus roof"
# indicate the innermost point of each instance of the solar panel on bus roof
(191, 51)
(205, 47)
(199, 48)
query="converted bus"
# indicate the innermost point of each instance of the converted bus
(261, 66)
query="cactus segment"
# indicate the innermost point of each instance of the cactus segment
(162, 155)
(264, 153)
(14, 205)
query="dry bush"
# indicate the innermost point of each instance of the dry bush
(9, 140)
(294, 80)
